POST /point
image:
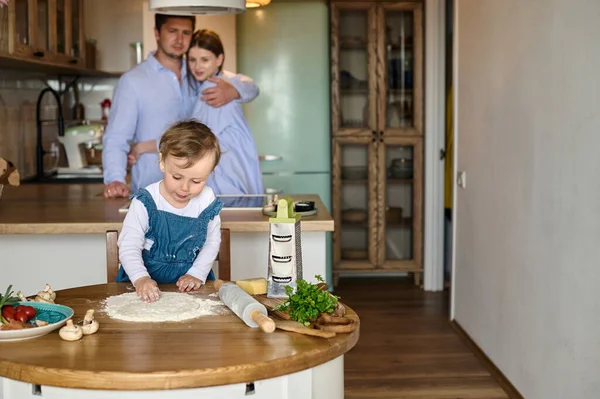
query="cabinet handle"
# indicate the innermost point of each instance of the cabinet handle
(39, 54)
(374, 139)
(73, 61)
(374, 133)
(273, 191)
(381, 134)
(270, 157)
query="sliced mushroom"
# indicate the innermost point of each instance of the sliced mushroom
(90, 325)
(70, 332)
(41, 323)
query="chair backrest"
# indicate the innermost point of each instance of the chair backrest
(112, 255)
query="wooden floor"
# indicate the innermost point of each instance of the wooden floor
(407, 348)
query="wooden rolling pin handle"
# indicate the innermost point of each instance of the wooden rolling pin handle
(218, 284)
(264, 323)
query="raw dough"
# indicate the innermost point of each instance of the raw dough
(171, 306)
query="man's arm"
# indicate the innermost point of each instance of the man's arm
(245, 86)
(119, 131)
(230, 87)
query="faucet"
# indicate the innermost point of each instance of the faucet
(39, 154)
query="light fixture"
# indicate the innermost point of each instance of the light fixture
(256, 3)
(198, 7)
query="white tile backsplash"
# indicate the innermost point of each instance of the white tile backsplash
(18, 96)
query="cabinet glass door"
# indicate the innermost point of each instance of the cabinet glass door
(4, 47)
(354, 203)
(61, 29)
(75, 28)
(353, 59)
(22, 23)
(400, 192)
(43, 42)
(400, 50)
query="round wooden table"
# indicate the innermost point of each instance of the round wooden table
(202, 357)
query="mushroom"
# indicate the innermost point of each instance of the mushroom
(22, 297)
(70, 332)
(90, 325)
(44, 296)
(48, 289)
(41, 323)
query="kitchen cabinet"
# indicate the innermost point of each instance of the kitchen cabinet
(44, 35)
(377, 136)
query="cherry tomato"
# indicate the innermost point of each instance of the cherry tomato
(20, 307)
(8, 312)
(29, 311)
(20, 316)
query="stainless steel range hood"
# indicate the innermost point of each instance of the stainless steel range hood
(197, 7)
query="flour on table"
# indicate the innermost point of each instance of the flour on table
(172, 306)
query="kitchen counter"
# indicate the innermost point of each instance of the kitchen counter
(211, 356)
(57, 233)
(81, 209)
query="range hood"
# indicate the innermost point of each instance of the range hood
(197, 7)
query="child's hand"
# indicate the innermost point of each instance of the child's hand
(188, 283)
(147, 289)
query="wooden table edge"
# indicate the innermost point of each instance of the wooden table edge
(166, 380)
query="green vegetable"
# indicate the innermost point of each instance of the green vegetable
(8, 300)
(308, 302)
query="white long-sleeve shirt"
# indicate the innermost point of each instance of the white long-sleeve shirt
(132, 238)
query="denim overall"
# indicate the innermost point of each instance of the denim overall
(177, 241)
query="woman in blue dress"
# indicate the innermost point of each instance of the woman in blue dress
(238, 172)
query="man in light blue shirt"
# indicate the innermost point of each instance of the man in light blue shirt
(151, 97)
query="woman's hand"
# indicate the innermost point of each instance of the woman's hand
(147, 289)
(188, 283)
(137, 149)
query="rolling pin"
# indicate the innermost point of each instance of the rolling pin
(253, 313)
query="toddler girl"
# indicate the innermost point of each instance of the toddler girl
(172, 231)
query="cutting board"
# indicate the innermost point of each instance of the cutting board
(271, 304)
(283, 320)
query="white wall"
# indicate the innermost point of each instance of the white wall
(114, 24)
(224, 25)
(528, 223)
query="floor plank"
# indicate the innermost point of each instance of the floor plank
(407, 348)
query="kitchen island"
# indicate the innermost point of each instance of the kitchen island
(214, 356)
(56, 233)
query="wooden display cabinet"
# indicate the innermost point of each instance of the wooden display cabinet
(377, 136)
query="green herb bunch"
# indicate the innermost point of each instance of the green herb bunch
(308, 302)
(9, 300)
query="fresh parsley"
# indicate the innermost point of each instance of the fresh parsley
(308, 302)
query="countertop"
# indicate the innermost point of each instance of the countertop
(82, 209)
(150, 356)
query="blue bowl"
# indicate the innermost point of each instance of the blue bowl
(56, 316)
(49, 312)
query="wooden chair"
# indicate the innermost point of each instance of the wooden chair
(112, 255)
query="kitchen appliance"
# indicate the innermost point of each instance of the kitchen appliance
(79, 143)
(197, 7)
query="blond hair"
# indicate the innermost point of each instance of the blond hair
(191, 140)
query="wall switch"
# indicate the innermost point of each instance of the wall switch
(461, 179)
